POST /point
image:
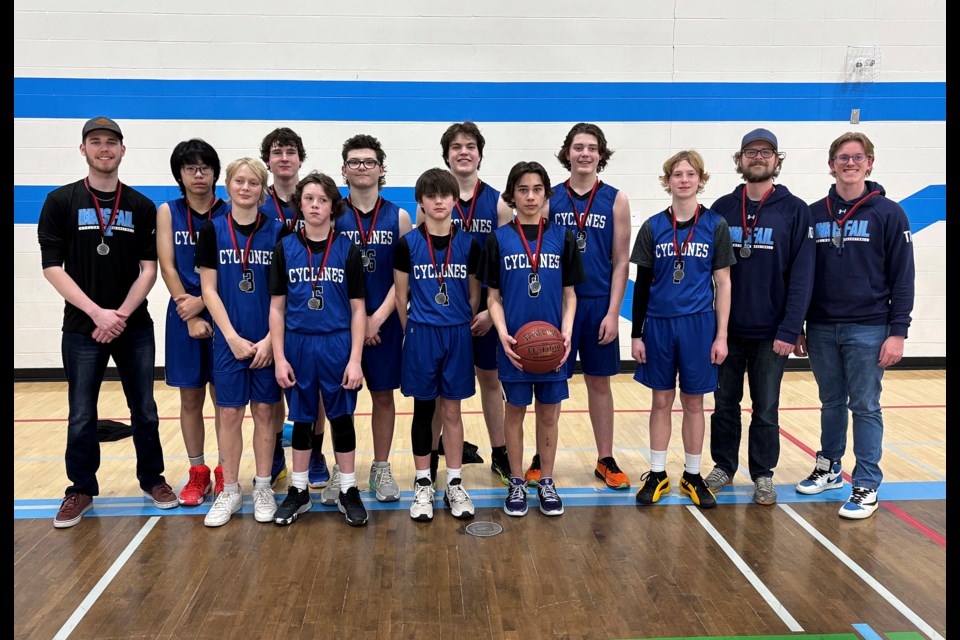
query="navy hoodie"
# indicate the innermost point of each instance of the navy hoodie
(771, 288)
(870, 278)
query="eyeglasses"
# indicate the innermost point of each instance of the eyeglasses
(192, 169)
(766, 154)
(356, 163)
(859, 158)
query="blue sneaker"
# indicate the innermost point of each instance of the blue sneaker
(825, 476)
(319, 474)
(550, 502)
(516, 502)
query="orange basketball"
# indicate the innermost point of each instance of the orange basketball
(540, 346)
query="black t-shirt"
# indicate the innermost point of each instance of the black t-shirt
(206, 254)
(401, 256)
(570, 263)
(356, 287)
(69, 232)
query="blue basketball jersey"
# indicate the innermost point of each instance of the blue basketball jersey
(672, 295)
(274, 207)
(378, 245)
(185, 232)
(432, 302)
(484, 219)
(248, 309)
(332, 309)
(597, 234)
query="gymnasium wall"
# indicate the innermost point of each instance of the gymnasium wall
(657, 76)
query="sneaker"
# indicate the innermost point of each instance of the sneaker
(331, 492)
(717, 479)
(72, 509)
(861, 504)
(217, 481)
(382, 482)
(163, 496)
(500, 465)
(264, 504)
(422, 506)
(278, 471)
(319, 474)
(197, 486)
(825, 476)
(457, 498)
(296, 502)
(516, 502)
(550, 502)
(763, 491)
(532, 476)
(434, 465)
(693, 485)
(222, 508)
(655, 485)
(351, 506)
(608, 471)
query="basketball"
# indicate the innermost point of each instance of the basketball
(540, 346)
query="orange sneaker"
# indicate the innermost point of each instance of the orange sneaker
(608, 471)
(197, 486)
(217, 481)
(532, 476)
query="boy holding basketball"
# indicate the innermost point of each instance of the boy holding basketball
(530, 267)
(434, 268)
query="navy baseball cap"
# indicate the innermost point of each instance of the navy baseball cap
(759, 134)
(101, 122)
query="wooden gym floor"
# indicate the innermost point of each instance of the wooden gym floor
(605, 569)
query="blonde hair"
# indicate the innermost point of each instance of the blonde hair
(695, 160)
(850, 136)
(256, 166)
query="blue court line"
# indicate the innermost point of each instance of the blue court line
(402, 101)
(867, 633)
(492, 498)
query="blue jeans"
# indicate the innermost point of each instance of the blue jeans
(85, 362)
(844, 361)
(764, 369)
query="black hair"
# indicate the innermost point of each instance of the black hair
(436, 182)
(281, 137)
(518, 171)
(364, 141)
(593, 130)
(337, 205)
(467, 128)
(193, 151)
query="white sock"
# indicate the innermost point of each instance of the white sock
(231, 488)
(454, 474)
(691, 463)
(299, 479)
(425, 473)
(259, 483)
(347, 480)
(658, 461)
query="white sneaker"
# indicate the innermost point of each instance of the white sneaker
(861, 504)
(422, 507)
(330, 496)
(222, 508)
(264, 504)
(382, 482)
(826, 475)
(457, 498)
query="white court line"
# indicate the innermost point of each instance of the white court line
(104, 582)
(747, 572)
(924, 628)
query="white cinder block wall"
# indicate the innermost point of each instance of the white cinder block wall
(682, 43)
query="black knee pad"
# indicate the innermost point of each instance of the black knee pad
(302, 439)
(421, 430)
(344, 435)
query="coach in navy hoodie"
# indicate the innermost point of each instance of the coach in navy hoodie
(771, 232)
(858, 318)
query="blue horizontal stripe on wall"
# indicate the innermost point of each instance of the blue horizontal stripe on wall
(287, 100)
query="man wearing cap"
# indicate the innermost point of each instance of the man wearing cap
(98, 250)
(772, 236)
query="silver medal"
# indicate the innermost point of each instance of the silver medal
(678, 272)
(837, 240)
(534, 287)
(440, 298)
(745, 252)
(364, 259)
(582, 241)
(313, 303)
(103, 249)
(246, 286)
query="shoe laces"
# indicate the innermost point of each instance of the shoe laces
(765, 483)
(262, 496)
(611, 465)
(293, 496)
(421, 495)
(860, 495)
(518, 493)
(548, 492)
(383, 476)
(72, 499)
(222, 503)
(456, 493)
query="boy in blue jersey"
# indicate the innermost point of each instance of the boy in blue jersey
(435, 269)
(189, 329)
(859, 314)
(599, 217)
(681, 303)
(317, 322)
(479, 210)
(530, 267)
(375, 225)
(770, 291)
(234, 252)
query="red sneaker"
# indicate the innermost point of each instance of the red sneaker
(217, 481)
(197, 486)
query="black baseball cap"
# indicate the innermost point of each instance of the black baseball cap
(101, 122)
(759, 134)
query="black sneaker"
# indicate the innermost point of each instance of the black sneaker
(296, 502)
(500, 465)
(351, 506)
(655, 485)
(694, 486)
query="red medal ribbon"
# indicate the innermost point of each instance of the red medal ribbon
(276, 203)
(743, 208)
(233, 236)
(582, 220)
(190, 215)
(473, 202)
(96, 205)
(852, 209)
(433, 259)
(326, 254)
(534, 259)
(678, 250)
(365, 240)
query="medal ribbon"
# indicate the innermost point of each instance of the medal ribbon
(190, 215)
(473, 202)
(852, 209)
(534, 259)
(233, 236)
(365, 240)
(434, 260)
(581, 220)
(323, 265)
(678, 250)
(113, 215)
(743, 208)
(276, 203)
